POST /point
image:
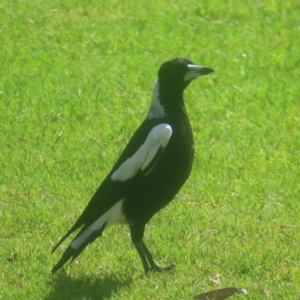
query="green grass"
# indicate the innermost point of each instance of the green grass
(76, 81)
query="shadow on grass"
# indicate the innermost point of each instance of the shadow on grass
(89, 287)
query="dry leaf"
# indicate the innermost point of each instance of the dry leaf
(217, 280)
(220, 294)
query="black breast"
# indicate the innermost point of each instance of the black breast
(156, 189)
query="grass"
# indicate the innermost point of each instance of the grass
(76, 81)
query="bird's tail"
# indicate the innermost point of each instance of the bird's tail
(84, 237)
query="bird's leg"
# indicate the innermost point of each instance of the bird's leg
(149, 264)
(139, 248)
(137, 233)
(154, 265)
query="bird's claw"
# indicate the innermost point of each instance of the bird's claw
(157, 267)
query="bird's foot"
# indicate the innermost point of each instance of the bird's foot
(157, 267)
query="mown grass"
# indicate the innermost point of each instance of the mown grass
(76, 81)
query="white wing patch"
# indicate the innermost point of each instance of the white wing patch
(158, 137)
(113, 216)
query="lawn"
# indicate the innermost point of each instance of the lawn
(76, 81)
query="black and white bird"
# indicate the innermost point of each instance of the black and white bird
(149, 173)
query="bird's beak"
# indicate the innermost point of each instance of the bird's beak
(195, 71)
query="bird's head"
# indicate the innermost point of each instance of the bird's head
(179, 72)
(173, 77)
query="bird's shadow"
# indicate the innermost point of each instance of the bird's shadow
(64, 286)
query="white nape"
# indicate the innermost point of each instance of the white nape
(158, 137)
(113, 216)
(156, 110)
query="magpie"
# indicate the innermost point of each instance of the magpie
(150, 171)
